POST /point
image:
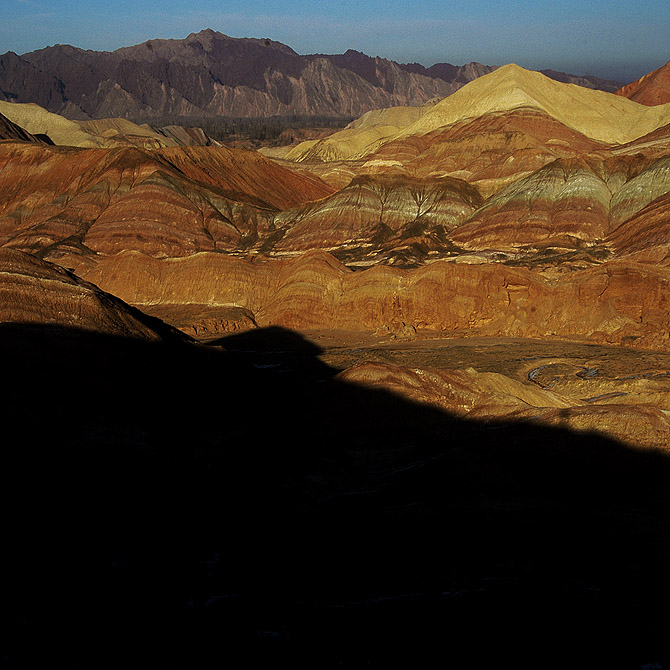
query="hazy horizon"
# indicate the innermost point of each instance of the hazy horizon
(612, 40)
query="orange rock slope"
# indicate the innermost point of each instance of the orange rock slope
(169, 202)
(616, 302)
(34, 292)
(516, 216)
(652, 89)
(473, 394)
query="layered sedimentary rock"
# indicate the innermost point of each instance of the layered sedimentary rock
(598, 115)
(652, 89)
(490, 151)
(169, 202)
(378, 217)
(646, 235)
(641, 183)
(552, 199)
(473, 394)
(547, 185)
(36, 292)
(615, 302)
(574, 202)
(562, 204)
(110, 132)
(567, 203)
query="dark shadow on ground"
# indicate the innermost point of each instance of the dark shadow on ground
(254, 506)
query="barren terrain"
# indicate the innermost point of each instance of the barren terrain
(401, 393)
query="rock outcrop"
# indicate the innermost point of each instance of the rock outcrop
(652, 89)
(172, 202)
(39, 293)
(495, 396)
(618, 303)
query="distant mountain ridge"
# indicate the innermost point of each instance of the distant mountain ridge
(209, 74)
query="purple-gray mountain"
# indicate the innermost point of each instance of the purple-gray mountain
(210, 74)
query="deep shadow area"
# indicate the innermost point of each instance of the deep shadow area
(250, 503)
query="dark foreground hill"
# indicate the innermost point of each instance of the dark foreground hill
(254, 505)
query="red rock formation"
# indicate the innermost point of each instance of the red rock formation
(376, 218)
(569, 204)
(166, 202)
(489, 151)
(615, 302)
(652, 89)
(474, 394)
(562, 204)
(36, 292)
(646, 235)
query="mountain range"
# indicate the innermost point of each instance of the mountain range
(210, 74)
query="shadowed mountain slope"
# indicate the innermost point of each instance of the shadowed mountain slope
(12, 131)
(40, 293)
(382, 530)
(489, 395)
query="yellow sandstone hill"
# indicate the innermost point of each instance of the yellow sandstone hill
(597, 114)
(121, 131)
(601, 116)
(38, 121)
(375, 127)
(100, 133)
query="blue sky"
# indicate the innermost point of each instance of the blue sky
(611, 38)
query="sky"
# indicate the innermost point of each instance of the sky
(615, 39)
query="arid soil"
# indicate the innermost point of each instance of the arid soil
(621, 393)
(424, 417)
